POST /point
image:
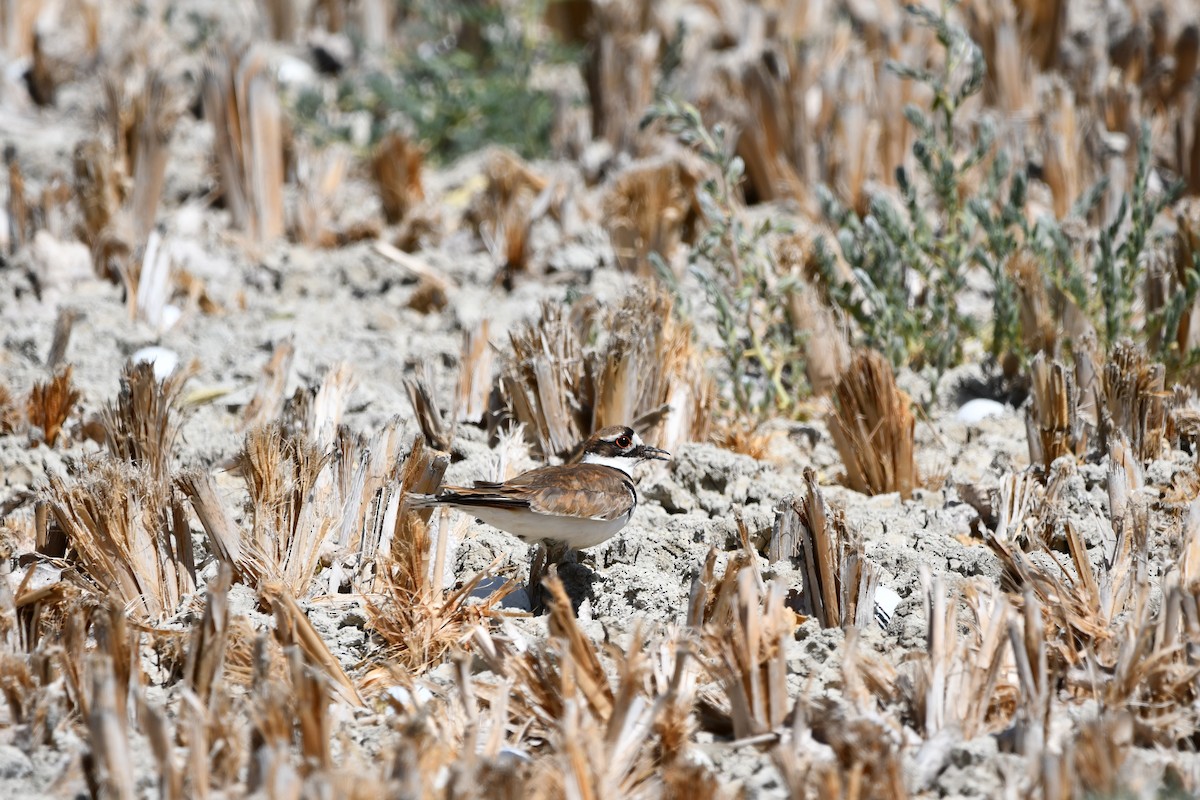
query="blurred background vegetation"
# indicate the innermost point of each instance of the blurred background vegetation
(964, 182)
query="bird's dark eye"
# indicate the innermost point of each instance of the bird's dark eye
(623, 442)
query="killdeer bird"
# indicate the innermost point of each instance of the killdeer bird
(567, 507)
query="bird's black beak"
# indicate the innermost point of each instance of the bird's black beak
(653, 453)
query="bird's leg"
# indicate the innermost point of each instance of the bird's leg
(537, 571)
(559, 553)
(546, 558)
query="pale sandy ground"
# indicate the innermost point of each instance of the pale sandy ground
(349, 305)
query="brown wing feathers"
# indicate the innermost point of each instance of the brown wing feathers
(558, 490)
(579, 503)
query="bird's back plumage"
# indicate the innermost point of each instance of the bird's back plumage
(577, 505)
(578, 490)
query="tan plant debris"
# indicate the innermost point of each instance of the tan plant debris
(319, 177)
(154, 116)
(291, 514)
(839, 581)
(100, 191)
(42, 79)
(623, 44)
(12, 415)
(207, 648)
(16, 205)
(476, 375)
(872, 425)
(965, 684)
(774, 114)
(396, 168)
(1039, 328)
(428, 298)
(743, 436)
(1135, 400)
(424, 273)
(119, 183)
(650, 210)
(410, 608)
(64, 323)
(1052, 419)
(437, 430)
(744, 626)
(514, 197)
(293, 629)
(50, 405)
(141, 426)
(826, 341)
(562, 392)
(241, 104)
(111, 765)
(267, 402)
(122, 532)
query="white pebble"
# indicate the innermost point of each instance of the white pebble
(295, 72)
(975, 411)
(170, 315)
(165, 361)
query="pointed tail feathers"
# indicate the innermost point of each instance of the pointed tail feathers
(422, 500)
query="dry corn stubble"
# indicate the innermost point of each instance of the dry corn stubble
(825, 335)
(744, 645)
(126, 536)
(396, 167)
(141, 426)
(48, 406)
(620, 71)
(99, 192)
(562, 390)
(742, 436)
(267, 402)
(965, 684)
(154, 115)
(320, 174)
(290, 517)
(438, 432)
(407, 601)
(839, 581)
(594, 729)
(1038, 325)
(1135, 400)
(476, 375)
(514, 197)
(299, 503)
(1052, 420)
(118, 184)
(120, 518)
(1093, 618)
(650, 210)
(872, 425)
(241, 104)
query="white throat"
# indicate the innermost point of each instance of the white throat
(616, 462)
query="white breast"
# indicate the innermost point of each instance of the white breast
(531, 527)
